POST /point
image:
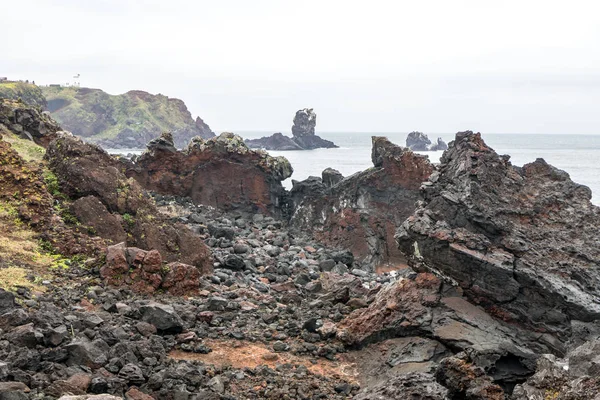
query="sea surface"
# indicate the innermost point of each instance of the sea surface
(579, 155)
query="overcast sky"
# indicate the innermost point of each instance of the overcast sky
(523, 66)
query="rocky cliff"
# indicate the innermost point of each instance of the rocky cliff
(27, 92)
(303, 132)
(128, 120)
(522, 242)
(221, 172)
(362, 212)
(418, 141)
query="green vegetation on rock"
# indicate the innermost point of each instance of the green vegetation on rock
(27, 92)
(122, 121)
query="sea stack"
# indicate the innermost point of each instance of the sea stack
(303, 131)
(418, 141)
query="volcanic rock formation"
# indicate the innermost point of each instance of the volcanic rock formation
(303, 132)
(522, 242)
(86, 173)
(418, 141)
(363, 211)
(221, 172)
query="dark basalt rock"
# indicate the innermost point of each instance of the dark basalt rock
(275, 142)
(221, 172)
(522, 242)
(418, 141)
(362, 212)
(303, 132)
(28, 122)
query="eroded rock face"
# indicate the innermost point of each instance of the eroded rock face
(28, 122)
(362, 212)
(522, 242)
(221, 172)
(418, 141)
(303, 132)
(103, 197)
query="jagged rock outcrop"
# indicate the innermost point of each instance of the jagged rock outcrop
(221, 172)
(522, 242)
(418, 141)
(128, 120)
(27, 121)
(303, 132)
(363, 211)
(86, 173)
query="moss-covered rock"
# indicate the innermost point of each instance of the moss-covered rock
(27, 92)
(122, 121)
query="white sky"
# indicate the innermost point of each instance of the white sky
(524, 66)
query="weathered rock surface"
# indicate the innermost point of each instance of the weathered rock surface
(303, 132)
(86, 173)
(362, 212)
(27, 92)
(522, 242)
(221, 172)
(576, 376)
(27, 121)
(144, 272)
(418, 141)
(128, 120)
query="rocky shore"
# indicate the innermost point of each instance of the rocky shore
(124, 279)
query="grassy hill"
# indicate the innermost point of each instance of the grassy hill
(29, 93)
(128, 120)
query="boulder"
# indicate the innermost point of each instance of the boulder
(362, 212)
(522, 242)
(221, 172)
(92, 213)
(418, 141)
(90, 354)
(162, 316)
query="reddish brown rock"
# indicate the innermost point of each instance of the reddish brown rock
(221, 172)
(181, 279)
(362, 212)
(86, 171)
(135, 394)
(92, 213)
(144, 272)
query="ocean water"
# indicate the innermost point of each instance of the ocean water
(579, 155)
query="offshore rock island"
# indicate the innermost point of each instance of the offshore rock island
(193, 274)
(304, 137)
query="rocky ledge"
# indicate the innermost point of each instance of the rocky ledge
(221, 172)
(418, 141)
(303, 132)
